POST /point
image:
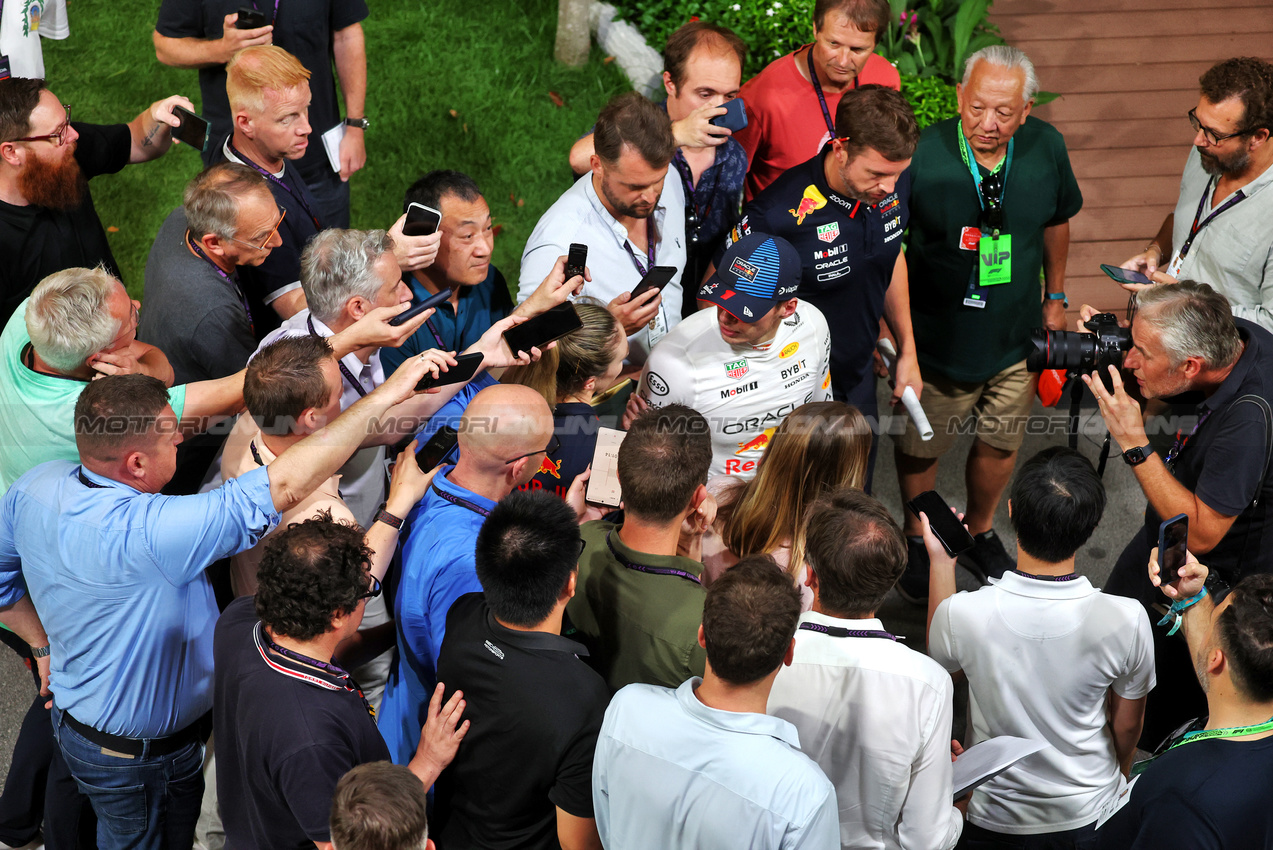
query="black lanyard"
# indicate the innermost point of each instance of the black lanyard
(835, 631)
(84, 480)
(198, 252)
(1238, 197)
(344, 370)
(1066, 577)
(642, 568)
(687, 180)
(463, 503)
(649, 247)
(817, 89)
(1179, 445)
(342, 676)
(299, 196)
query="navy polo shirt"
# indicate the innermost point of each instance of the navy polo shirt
(847, 252)
(458, 327)
(575, 425)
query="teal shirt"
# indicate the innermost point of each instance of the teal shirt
(968, 343)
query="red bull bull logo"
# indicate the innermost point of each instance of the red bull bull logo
(812, 200)
(548, 466)
(756, 443)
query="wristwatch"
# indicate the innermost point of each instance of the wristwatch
(1138, 455)
(1058, 296)
(387, 518)
(360, 123)
(40, 651)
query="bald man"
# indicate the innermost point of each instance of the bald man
(504, 434)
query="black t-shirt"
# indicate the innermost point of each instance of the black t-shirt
(535, 710)
(285, 735)
(847, 249)
(575, 425)
(35, 241)
(301, 27)
(1209, 795)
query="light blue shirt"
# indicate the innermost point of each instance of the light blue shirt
(671, 773)
(117, 577)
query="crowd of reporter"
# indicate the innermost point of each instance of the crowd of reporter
(282, 582)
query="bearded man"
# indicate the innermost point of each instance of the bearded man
(47, 219)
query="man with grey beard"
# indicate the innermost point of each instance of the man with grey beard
(1218, 232)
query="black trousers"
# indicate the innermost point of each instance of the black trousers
(976, 838)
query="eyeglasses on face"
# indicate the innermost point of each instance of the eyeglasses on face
(553, 445)
(373, 591)
(1214, 137)
(282, 214)
(58, 136)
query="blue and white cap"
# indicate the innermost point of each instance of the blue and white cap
(755, 273)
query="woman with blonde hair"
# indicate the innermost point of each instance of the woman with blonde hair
(818, 448)
(583, 363)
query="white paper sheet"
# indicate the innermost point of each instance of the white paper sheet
(331, 144)
(985, 760)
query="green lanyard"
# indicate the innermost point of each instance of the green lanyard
(965, 151)
(1205, 735)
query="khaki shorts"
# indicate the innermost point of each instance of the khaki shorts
(1000, 407)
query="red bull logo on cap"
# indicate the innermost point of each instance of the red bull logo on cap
(812, 200)
(548, 466)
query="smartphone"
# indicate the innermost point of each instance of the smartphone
(603, 483)
(251, 19)
(466, 366)
(543, 329)
(575, 260)
(421, 220)
(949, 530)
(1124, 275)
(435, 451)
(419, 307)
(192, 130)
(735, 117)
(657, 278)
(1173, 538)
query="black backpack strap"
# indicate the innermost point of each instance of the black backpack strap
(1267, 412)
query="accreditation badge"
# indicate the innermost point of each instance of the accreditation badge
(994, 265)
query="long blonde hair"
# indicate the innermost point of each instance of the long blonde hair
(584, 353)
(818, 448)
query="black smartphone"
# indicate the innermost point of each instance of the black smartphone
(735, 117)
(419, 307)
(435, 451)
(466, 366)
(421, 220)
(1124, 275)
(949, 530)
(192, 130)
(543, 329)
(1173, 539)
(576, 260)
(657, 278)
(251, 19)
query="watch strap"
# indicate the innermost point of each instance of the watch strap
(360, 123)
(387, 518)
(40, 651)
(1057, 296)
(1138, 454)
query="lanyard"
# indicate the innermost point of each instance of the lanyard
(463, 503)
(642, 568)
(1238, 197)
(273, 18)
(198, 252)
(344, 370)
(1179, 445)
(1205, 735)
(687, 179)
(346, 681)
(299, 196)
(649, 248)
(1066, 577)
(256, 455)
(834, 631)
(84, 480)
(965, 151)
(817, 89)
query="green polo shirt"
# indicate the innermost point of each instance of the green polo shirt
(968, 343)
(638, 626)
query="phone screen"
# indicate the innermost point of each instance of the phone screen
(1124, 275)
(603, 483)
(542, 329)
(192, 130)
(421, 220)
(949, 530)
(465, 368)
(1173, 538)
(576, 260)
(658, 277)
(441, 444)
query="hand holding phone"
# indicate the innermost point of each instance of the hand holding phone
(538, 331)
(466, 366)
(1124, 275)
(421, 220)
(576, 260)
(438, 447)
(191, 129)
(735, 117)
(657, 278)
(946, 527)
(419, 307)
(603, 483)
(1173, 539)
(251, 19)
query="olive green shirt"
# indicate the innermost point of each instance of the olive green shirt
(638, 626)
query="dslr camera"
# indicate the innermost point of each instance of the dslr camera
(1080, 352)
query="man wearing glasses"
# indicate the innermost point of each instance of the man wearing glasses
(47, 219)
(993, 196)
(1219, 231)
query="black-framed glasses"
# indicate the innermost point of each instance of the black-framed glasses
(1213, 137)
(282, 214)
(553, 445)
(373, 592)
(58, 136)
(582, 545)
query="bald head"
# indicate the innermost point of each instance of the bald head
(502, 422)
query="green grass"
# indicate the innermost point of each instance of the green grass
(490, 61)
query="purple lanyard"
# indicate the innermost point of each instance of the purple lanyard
(1066, 577)
(817, 88)
(833, 631)
(344, 370)
(198, 252)
(463, 503)
(649, 247)
(687, 180)
(1179, 445)
(299, 196)
(1238, 197)
(642, 568)
(346, 680)
(275, 15)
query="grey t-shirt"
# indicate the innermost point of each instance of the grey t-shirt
(192, 312)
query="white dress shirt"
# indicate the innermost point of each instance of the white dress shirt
(876, 717)
(579, 216)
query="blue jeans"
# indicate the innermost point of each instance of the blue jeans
(143, 803)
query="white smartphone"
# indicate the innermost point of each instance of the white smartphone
(603, 483)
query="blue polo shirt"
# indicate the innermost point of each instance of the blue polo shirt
(118, 579)
(847, 252)
(457, 327)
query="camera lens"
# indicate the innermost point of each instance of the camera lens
(1060, 350)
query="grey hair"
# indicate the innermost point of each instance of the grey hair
(67, 317)
(1006, 57)
(1193, 320)
(211, 199)
(337, 265)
